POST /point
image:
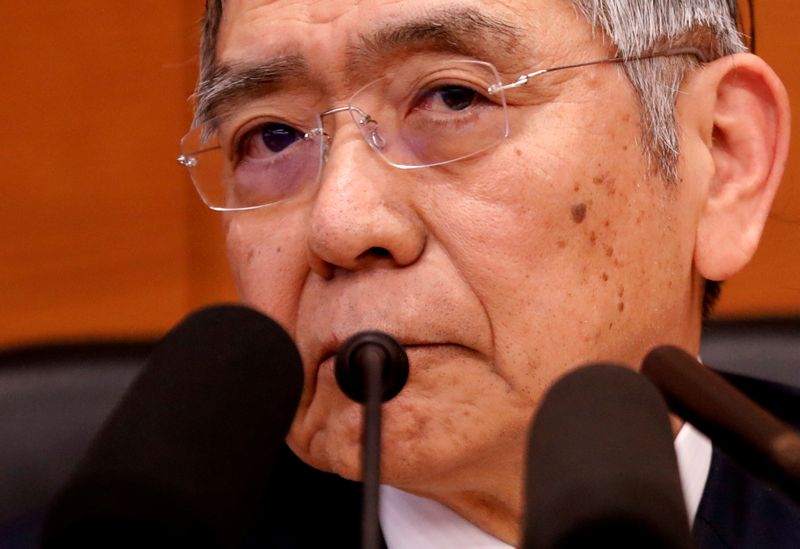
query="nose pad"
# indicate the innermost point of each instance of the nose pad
(375, 139)
(326, 148)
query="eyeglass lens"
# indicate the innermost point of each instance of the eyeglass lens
(422, 114)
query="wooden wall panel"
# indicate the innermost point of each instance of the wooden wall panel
(94, 209)
(101, 234)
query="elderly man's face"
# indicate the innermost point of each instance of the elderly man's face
(499, 273)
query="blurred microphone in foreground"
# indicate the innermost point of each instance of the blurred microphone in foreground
(185, 459)
(601, 466)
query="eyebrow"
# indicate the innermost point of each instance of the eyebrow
(464, 31)
(232, 82)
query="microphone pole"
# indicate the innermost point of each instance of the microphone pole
(761, 442)
(371, 368)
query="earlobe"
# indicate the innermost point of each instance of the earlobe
(749, 143)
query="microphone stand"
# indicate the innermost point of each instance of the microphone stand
(371, 368)
(372, 359)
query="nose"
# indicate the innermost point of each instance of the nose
(363, 216)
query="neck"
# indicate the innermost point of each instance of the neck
(495, 507)
(499, 517)
(491, 498)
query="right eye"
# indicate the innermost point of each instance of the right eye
(269, 139)
(450, 98)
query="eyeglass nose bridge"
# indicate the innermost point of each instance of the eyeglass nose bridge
(367, 125)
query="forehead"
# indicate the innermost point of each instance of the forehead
(326, 31)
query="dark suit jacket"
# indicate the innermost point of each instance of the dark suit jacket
(739, 511)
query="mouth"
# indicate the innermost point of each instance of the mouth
(411, 347)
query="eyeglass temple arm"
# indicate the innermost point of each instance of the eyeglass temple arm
(523, 79)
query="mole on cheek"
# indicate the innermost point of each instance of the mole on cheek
(578, 212)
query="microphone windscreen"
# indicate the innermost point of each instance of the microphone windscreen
(602, 466)
(186, 456)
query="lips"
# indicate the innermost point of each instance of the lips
(332, 344)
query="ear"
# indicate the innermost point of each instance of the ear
(748, 141)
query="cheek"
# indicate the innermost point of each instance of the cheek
(562, 251)
(267, 256)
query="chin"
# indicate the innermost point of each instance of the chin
(406, 455)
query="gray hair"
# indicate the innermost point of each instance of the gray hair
(639, 27)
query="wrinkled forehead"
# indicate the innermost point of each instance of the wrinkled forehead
(340, 35)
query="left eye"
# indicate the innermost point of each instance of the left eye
(450, 98)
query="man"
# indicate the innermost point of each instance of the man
(382, 167)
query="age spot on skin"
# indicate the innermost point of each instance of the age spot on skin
(621, 306)
(604, 276)
(561, 244)
(578, 212)
(607, 181)
(609, 251)
(518, 151)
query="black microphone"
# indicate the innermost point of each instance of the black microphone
(184, 459)
(371, 368)
(601, 466)
(765, 445)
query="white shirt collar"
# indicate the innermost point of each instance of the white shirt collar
(413, 522)
(693, 450)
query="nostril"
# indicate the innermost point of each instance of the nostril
(376, 251)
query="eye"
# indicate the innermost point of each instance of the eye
(277, 137)
(457, 98)
(269, 139)
(449, 98)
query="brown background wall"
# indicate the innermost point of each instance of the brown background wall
(100, 232)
